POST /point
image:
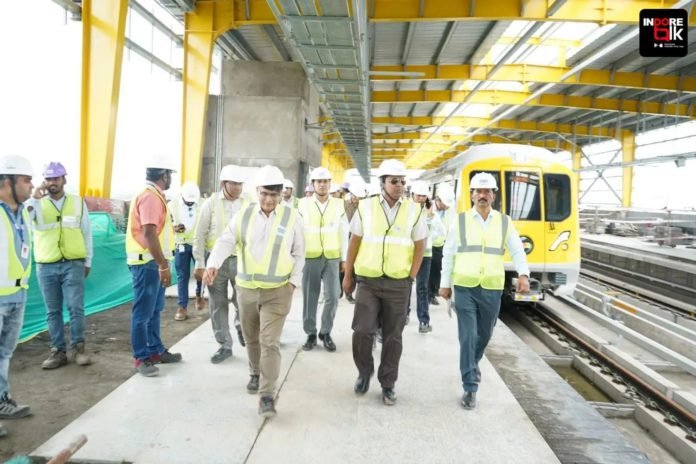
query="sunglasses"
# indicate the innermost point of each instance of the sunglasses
(398, 181)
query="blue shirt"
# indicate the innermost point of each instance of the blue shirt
(21, 234)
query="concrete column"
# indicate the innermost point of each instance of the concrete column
(265, 109)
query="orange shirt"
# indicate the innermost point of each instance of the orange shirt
(148, 208)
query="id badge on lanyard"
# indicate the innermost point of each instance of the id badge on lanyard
(25, 251)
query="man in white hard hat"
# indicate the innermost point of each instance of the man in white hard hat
(185, 211)
(447, 212)
(216, 213)
(149, 248)
(326, 241)
(308, 191)
(473, 264)
(15, 252)
(385, 250)
(421, 192)
(269, 242)
(289, 199)
(63, 253)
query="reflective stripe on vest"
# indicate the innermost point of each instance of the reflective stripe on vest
(275, 267)
(187, 235)
(13, 275)
(386, 250)
(58, 234)
(446, 222)
(136, 254)
(322, 230)
(479, 258)
(219, 215)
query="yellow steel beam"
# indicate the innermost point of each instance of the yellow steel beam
(201, 28)
(504, 97)
(597, 11)
(470, 122)
(544, 74)
(628, 151)
(103, 37)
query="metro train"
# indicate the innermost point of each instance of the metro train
(539, 194)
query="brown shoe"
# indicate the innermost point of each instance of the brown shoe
(180, 314)
(200, 303)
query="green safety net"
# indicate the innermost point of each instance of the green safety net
(108, 284)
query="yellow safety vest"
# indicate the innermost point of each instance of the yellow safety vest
(386, 250)
(221, 219)
(13, 275)
(479, 258)
(322, 230)
(57, 232)
(275, 267)
(187, 235)
(447, 222)
(136, 254)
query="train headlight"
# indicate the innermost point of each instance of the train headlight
(527, 243)
(562, 237)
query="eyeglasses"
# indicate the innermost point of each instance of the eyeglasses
(396, 181)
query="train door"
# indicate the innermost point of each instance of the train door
(522, 199)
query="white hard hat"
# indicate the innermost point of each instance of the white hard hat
(190, 192)
(483, 180)
(320, 173)
(231, 173)
(445, 193)
(373, 190)
(391, 167)
(15, 166)
(420, 187)
(159, 161)
(287, 184)
(357, 188)
(333, 188)
(269, 175)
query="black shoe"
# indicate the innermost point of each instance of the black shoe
(310, 343)
(350, 299)
(469, 400)
(240, 336)
(220, 355)
(253, 385)
(267, 406)
(477, 378)
(362, 385)
(433, 301)
(328, 342)
(388, 396)
(169, 358)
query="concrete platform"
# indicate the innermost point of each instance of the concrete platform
(643, 247)
(199, 412)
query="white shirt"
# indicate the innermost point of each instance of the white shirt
(207, 224)
(513, 244)
(342, 227)
(420, 229)
(187, 214)
(227, 243)
(84, 222)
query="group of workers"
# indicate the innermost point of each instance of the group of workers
(373, 248)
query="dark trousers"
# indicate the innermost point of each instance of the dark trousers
(435, 270)
(182, 262)
(380, 302)
(422, 296)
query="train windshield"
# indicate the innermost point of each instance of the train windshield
(557, 197)
(522, 196)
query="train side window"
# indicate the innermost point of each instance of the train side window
(496, 175)
(522, 196)
(557, 196)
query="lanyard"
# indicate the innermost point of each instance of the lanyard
(19, 226)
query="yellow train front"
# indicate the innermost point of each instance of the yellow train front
(540, 195)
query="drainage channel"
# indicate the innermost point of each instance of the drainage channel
(645, 428)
